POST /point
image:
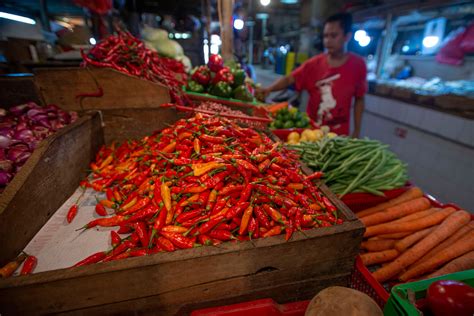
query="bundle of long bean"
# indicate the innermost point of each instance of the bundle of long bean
(354, 165)
(127, 54)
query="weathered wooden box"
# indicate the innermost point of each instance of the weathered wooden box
(165, 283)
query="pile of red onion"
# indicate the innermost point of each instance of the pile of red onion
(22, 127)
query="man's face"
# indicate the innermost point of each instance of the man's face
(334, 37)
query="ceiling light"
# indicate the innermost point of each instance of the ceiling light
(17, 18)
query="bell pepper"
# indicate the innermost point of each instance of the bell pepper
(221, 89)
(224, 75)
(242, 93)
(239, 76)
(193, 86)
(215, 62)
(201, 75)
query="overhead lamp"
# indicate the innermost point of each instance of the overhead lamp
(238, 24)
(405, 48)
(17, 18)
(92, 41)
(364, 41)
(265, 2)
(430, 41)
(359, 35)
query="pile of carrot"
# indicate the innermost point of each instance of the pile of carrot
(411, 240)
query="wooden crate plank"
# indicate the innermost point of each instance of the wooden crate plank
(124, 124)
(46, 180)
(61, 86)
(16, 90)
(316, 253)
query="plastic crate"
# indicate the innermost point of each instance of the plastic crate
(361, 201)
(227, 101)
(399, 304)
(360, 280)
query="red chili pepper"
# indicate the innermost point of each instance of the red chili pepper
(274, 214)
(115, 238)
(139, 205)
(262, 217)
(212, 139)
(124, 246)
(142, 233)
(245, 220)
(179, 240)
(204, 240)
(231, 188)
(265, 190)
(110, 194)
(143, 214)
(237, 209)
(174, 229)
(71, 213)
(138, 252)
(165, 244)
(252, 226)
(100, 210)
(264, 165)
(183, 217)
(329, 206)
(316, 175)
(220, 234)
(124, 229)
(289, 229)
(206, 227)
(197, 145)
(247, 165)
(276, 230)
(29, 265)
(107, 222)
(220, 204)
(246, 193)
(94, 258)
(211, 200)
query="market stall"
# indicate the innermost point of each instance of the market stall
(137, 184)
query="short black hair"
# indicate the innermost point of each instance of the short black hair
(344, 19)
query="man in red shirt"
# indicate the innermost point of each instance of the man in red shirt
(332, 79)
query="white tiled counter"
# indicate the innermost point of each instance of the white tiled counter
(438, 147)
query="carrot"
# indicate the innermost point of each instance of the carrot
(412, 226)
(459, 248)
(449, 226)
(406, 242)
(448, 242)
(371, 258)
(395, 236)
(394, 212)
(465, 262)
(409, 195)
(378, 245)
(416, 215)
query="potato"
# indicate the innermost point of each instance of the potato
(338, 300)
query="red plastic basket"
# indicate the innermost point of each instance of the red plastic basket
(360, 280)
(361, 201)
(282, 133)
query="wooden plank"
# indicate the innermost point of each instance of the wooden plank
(162, 274)
(18, 90)
(61, 86)
(47, 179)
(123, 124)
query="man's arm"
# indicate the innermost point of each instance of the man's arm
(279, 84)
(359, 105)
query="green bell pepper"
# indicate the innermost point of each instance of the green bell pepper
(221, 89)
(242, 93)
(193, 86)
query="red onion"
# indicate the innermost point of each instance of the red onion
(5, 141)
(21, 129)
(5, 177)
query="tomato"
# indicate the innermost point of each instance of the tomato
(447, 297)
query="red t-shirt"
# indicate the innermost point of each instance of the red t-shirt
(334, 94)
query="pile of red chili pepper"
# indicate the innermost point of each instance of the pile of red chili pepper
(202, 181)
(127, 54)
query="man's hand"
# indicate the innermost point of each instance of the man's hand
(262, 93)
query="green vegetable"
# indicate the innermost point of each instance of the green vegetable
(290, 118)
(354, 165)
(193, 86)
(221, 89)
(242, 93)
(239, 76)
(288, 124)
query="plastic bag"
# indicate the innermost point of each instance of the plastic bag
(451, 53)
(467, 44)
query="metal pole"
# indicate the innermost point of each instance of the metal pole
(44, 15)
(386, 44)
(250, 24)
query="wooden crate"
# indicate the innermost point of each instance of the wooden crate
(402, 93)
(129, 106)
(18, 89)
(165, 283)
